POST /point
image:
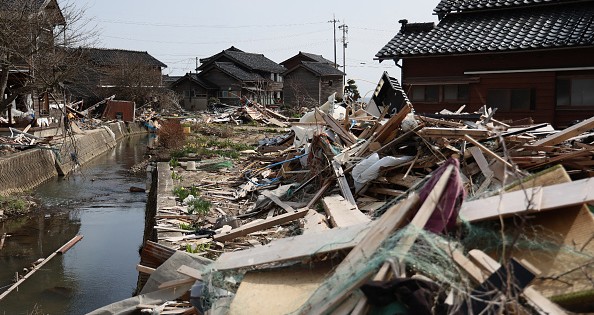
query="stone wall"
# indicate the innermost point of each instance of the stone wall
(26, 170)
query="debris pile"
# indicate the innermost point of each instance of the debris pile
(351, 213)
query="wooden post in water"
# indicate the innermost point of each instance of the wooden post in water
(60, 250)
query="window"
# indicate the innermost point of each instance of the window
(575, 92)
(511, 99)
(189, 93)
(223, 93)
(455, 92)
(438, 93)
(425, 93)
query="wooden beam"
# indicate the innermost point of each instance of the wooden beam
(266, 224)
(274, 198)
(60, 250)
(431, 132)
(189, 271)
(342, 213)
(488, 152)
(145, 269)
(343, 183)
(567, 133)
(319, 194)
(529, 200)
(328, 296)
(294, 248)
(176, 283)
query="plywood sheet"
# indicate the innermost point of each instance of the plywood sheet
(279, 291)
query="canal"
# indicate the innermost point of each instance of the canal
(94, 202)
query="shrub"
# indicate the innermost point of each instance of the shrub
(171, 134)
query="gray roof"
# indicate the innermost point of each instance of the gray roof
(235, 71)
(256, 61)
(317, 58)
(106, 57)
(321, 69)
(196, 79)
(447, 6)
(19, 4)
(247, 60)
(521, 29)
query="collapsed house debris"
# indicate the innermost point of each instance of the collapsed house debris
(352, 213)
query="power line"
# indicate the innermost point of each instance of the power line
(202, 25)
(214, 42)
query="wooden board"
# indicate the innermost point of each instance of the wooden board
(294, 248)
(341, 213)
(277, 291)
(431, 132)
(277, 201)
(189, 271)
(329, 295)
(567, 133)
(265, 224)
(314, 222)
(530, 200)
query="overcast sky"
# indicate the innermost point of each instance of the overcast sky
(178, 31)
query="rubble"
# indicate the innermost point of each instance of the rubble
(347, 206)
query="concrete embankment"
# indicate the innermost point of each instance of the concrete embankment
(26, 170)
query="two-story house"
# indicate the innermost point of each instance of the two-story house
(237, 74)
(526, 58)
(310, 79)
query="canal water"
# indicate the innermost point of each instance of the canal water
(94, 202)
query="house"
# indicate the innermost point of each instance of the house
(119, 110)
(195, 92)
(310, 79)
(525, 58)
(237, 74)
(27, 36)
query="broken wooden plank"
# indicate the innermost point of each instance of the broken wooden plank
(265, 224)
(567, 133)
(176, 283)
(189, 271)
(434, 132)
(319, 194)
(314, 222)
(278, 202)
(341, 213)
(294, 248)
(144, 269)
(343, 183)
(487, 151)
(60, 250)
(531, 199)
(329, 295)
(481, 161)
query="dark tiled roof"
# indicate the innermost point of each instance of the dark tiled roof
(447, 6)
(196, 79)
(543, 27)
(317, 58)
(235, 71)
(255, 61)
(322, 69)
(119, 57)
(206, 84)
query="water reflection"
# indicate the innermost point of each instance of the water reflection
(99, 270)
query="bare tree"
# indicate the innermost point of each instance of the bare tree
(36, 46)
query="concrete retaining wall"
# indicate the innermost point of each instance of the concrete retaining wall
(26, 170)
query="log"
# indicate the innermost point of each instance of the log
(60, 250)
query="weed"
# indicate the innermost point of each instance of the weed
(176, 176)
(173, 162)
(14, 205)
(181, 192)
(199, 206)
(197, 248)
(171, 134)
(186, 226)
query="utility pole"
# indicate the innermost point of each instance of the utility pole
(333, 21)
(345, 31)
